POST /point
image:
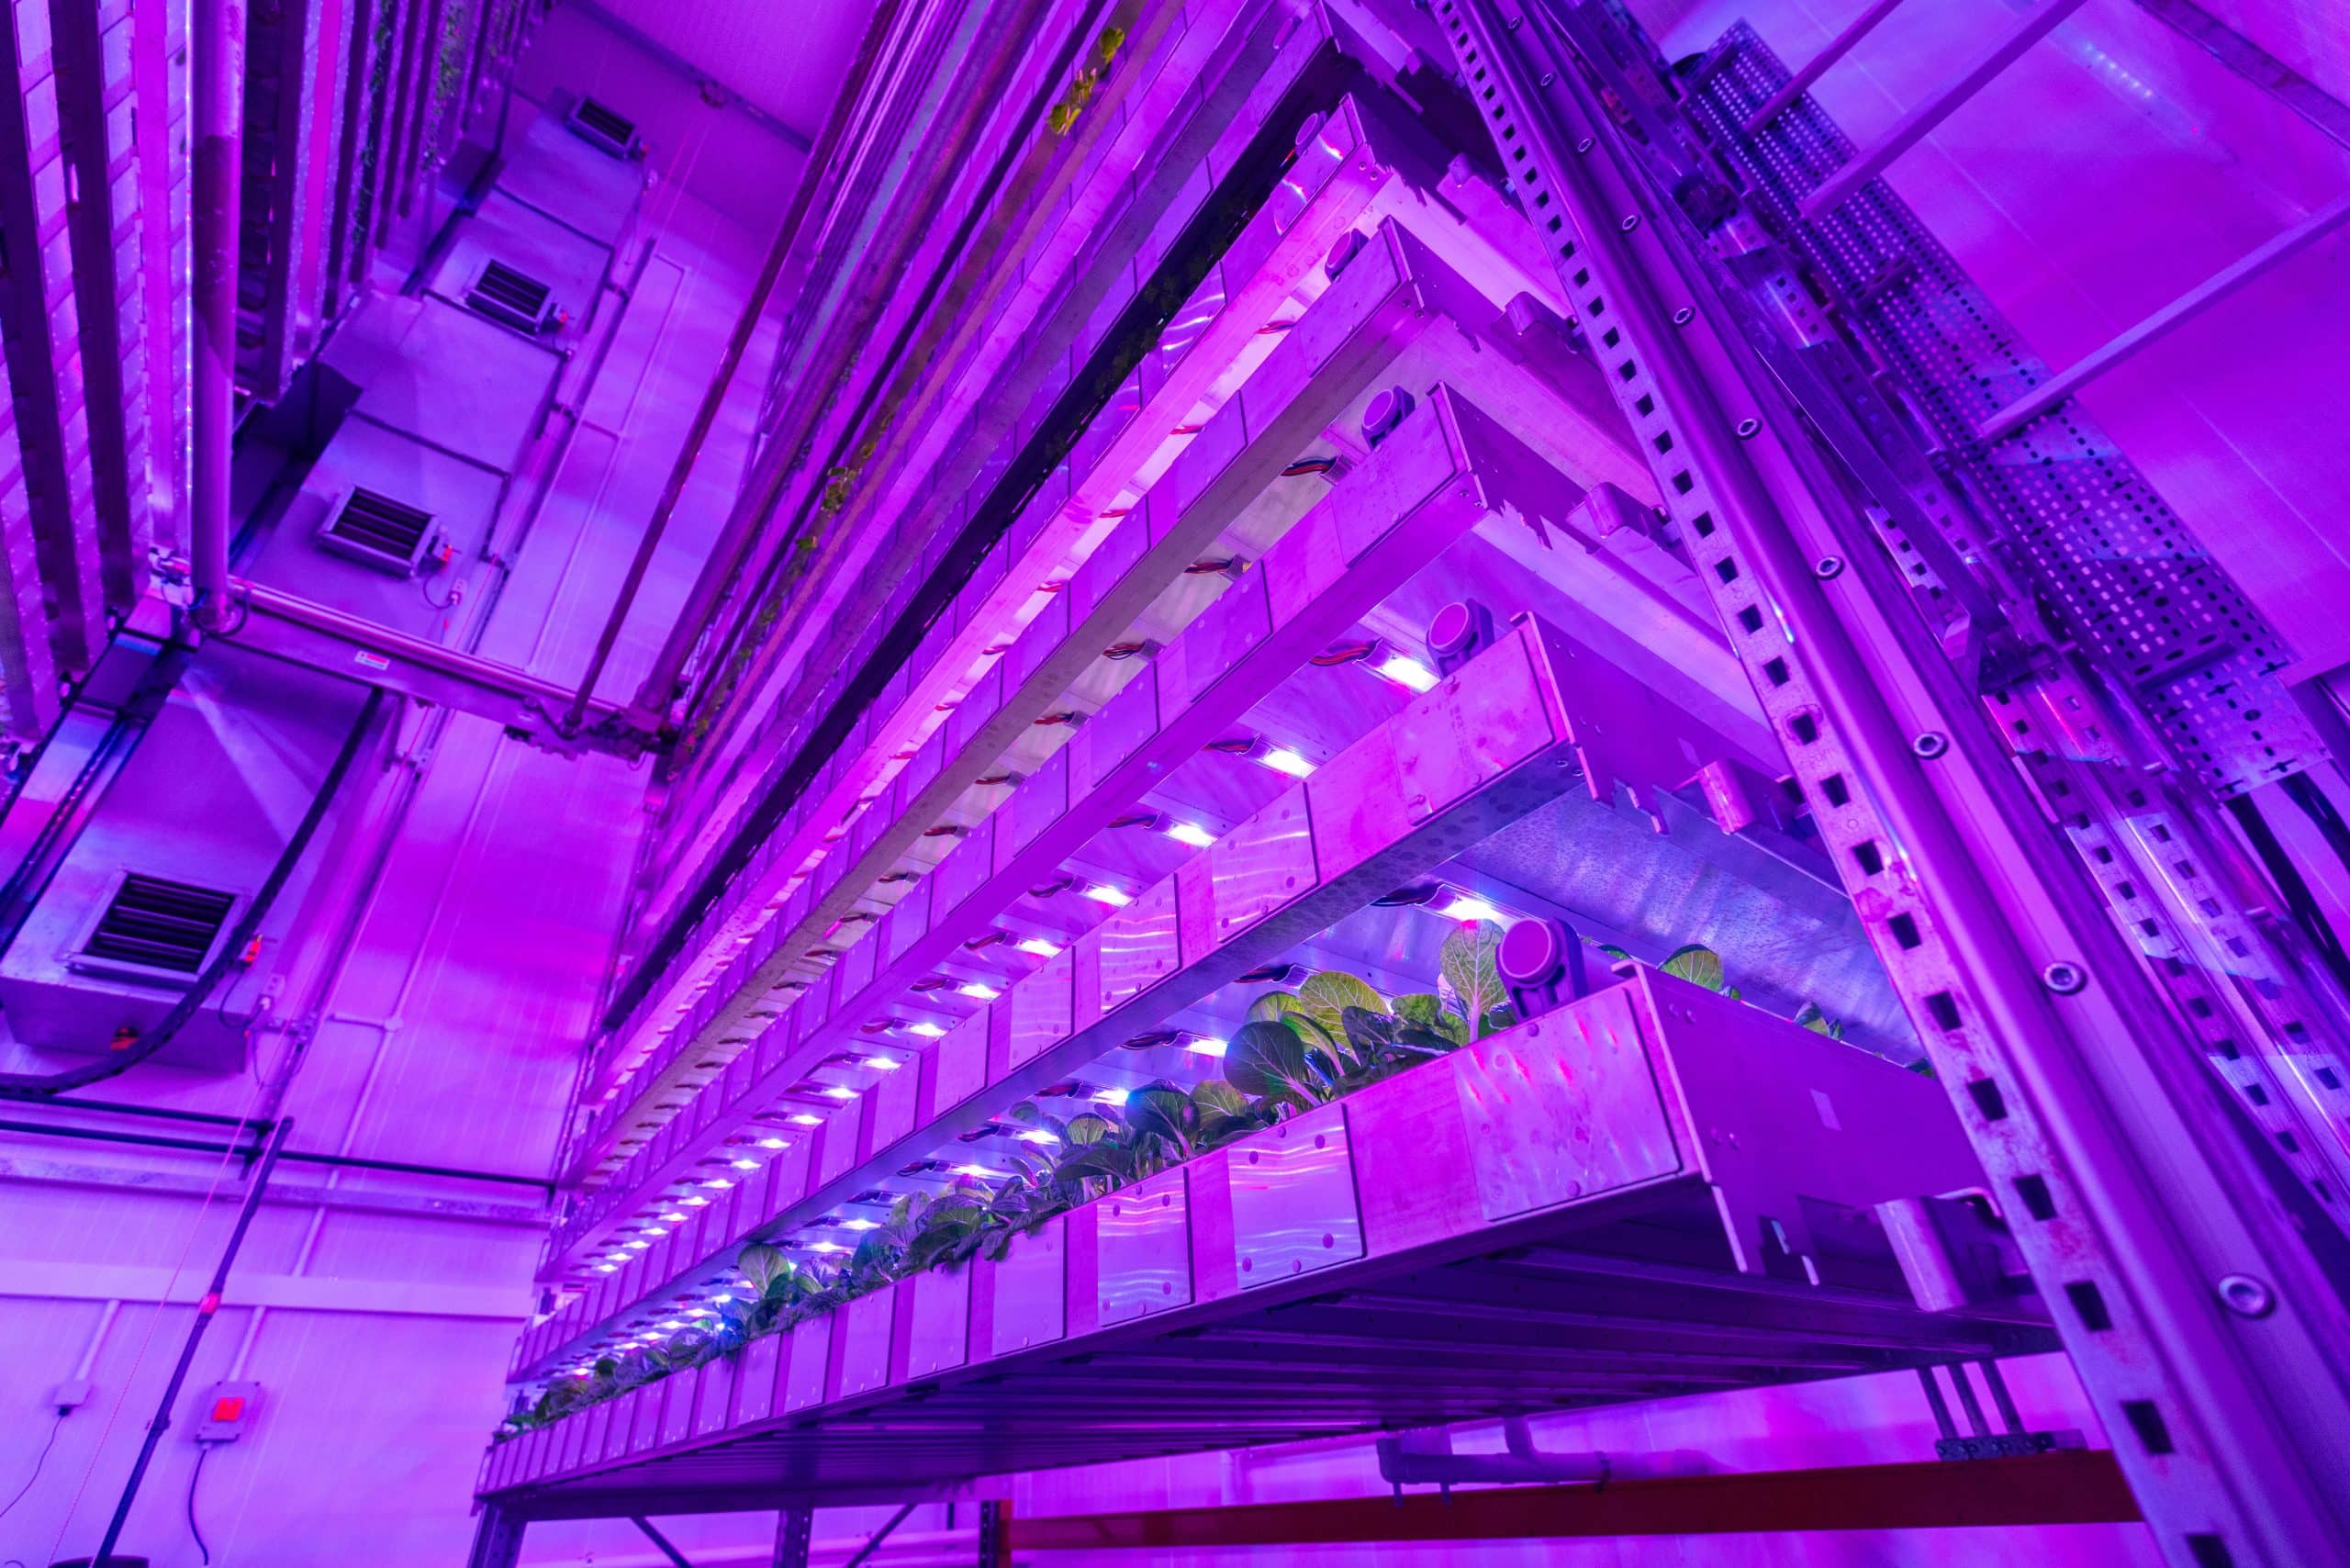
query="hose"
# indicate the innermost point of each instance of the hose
(41, 1086)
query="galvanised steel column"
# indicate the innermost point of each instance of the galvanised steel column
(217, 62)
(2202, 1323)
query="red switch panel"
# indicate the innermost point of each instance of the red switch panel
(226, 1409)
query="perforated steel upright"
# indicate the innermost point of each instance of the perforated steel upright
(2197, 1314)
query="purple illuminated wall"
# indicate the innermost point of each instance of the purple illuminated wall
(380, 1311)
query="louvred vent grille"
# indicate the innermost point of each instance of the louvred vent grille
(506, 294)
(378, 532)
(614, 133)
(157, 925)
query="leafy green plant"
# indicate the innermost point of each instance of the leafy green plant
(1471, 984)
(1331, 1035)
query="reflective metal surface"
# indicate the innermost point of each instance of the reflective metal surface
(1293, 1207)
(1551, 1120)
(1144, 1249)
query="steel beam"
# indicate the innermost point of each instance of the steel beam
(216, 62)
(795, 1532)
(498, 1539)
(65, 579)
(1919, 122)
(2255, 64)
(1835, 50)
(97, 305)
(271, 622)
(2079, 1487)
(151, 129)
(666, 1548)
(2203, 1327)
(2176, 314)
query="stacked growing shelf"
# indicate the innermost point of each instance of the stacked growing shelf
(1342, 613)
(1620, 1200)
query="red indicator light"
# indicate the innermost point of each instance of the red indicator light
(231, 1408)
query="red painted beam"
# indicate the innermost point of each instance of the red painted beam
(2074, 1487)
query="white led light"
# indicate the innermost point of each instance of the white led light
(1463, 906)
(1280, 759)
(1110, 1096)
(721, 1298)
(1191, 834)
(773, 1143)
(826, 1247)
(1207, 1045)
(654, 1230)
(840, 1092)
(881, 1064)
(803, 1119)
(979, 988)
(696, 1202)
(636, 1246)
(672, 1326)
(719, 1181)
(1101, 893)
(746, 1165)
(1039, 1135)
(1039, 947)
(673, 1218)
(1405, 670)
(607, 1268)
(927, 1030)
(860, 1225)
(982, 1171)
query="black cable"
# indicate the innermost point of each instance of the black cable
(203, 1452)
(2300, 902)
(41, 1085)
(54, 1427)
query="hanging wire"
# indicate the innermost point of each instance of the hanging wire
(42, 1457)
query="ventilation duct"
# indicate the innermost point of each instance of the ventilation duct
(605, 130)
(376, 530)
(511, 297)
(155, 931)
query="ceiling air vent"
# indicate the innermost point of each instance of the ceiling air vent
(155, 930)
(610, 133)
(508, 295)
(376, 530)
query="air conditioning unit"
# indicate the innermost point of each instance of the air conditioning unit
(606, 131)
(512, 296)
(155, 931)
(376, 530)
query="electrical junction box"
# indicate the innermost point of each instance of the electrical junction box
(227, 1409)
(71, 1394)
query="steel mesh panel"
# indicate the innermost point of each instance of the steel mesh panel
(2127, 578)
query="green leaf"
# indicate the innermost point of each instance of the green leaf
(1427, 1010)
(1698, 964)
(1809, 1017)
(1273, 1005)
(1163, 1110)
(1467, 962)
(1216, 1094)
(1089, 1128)
(761, 1264)
(1326, 997)
(1271, 1061)
(1367, 1031)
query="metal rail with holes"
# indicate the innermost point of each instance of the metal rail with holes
(2195, 1311)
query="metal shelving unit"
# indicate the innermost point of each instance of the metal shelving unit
(1814, 653)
